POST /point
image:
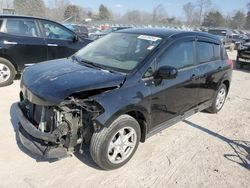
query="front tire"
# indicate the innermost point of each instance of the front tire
(219, 99)
(113, 146)
(7, 72)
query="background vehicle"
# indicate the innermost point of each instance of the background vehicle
(243, 56)
(224, 34)
(28, 40)
(80, 30)
(120, 90)
(95, 33)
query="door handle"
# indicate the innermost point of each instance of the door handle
(8, 42)
(52, 44)
(194, 77)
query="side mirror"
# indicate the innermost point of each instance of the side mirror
(166, 72)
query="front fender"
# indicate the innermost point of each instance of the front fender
(123, 100)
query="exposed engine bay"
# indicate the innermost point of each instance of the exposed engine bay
(58, 129)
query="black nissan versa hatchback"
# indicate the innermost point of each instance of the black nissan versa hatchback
(120, 90)
(27, 40)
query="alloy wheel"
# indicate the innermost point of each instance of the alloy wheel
(122, 145)
(221, 96)
(4, 73)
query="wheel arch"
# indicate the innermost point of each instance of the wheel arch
(140, 114)
(11, 61)
(227, 84)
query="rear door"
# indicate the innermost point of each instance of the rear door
(174, 97)
(210, 68)
(22, 41)
(60, 40)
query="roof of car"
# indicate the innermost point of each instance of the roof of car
(166, 33)
(24, 17)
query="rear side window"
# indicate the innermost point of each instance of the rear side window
(217, 52)
(206, 51)
(179, 56)
(21, 27)
(56, 31)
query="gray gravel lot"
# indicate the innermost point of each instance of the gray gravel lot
(203, 151)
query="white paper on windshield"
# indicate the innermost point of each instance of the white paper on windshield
(150, 38)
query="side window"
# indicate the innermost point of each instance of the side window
(224, 53)
(179, 55)
(55, 31)
(217, 52)
(206, 51)
(1, 23)
(21, 27)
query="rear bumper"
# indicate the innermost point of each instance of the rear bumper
(38, 142)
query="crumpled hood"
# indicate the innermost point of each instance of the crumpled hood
(53, 81)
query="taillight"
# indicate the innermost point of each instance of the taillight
(231, 63)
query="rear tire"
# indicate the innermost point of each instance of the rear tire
(219, 99)
(7, 72)
(113, 146)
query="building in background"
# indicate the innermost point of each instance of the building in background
(7, 7)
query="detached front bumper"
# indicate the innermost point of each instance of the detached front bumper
(40, 143)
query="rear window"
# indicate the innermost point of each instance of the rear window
(21, 27)
(217, 52)
(208, 51)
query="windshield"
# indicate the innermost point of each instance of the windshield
(119, 51)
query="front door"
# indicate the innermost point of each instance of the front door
(23, 42)
(60, 41)
(171, 98)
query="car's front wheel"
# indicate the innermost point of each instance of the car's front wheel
(7, 72)
(113, 146)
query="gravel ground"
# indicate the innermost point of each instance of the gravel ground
(203, 151)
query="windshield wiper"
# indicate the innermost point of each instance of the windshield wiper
(103, 67)
(91, 64)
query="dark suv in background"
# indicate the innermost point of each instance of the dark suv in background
(243, 55)
(120, 90)
(28, 40)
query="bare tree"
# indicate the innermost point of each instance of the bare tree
(238, 20)
(202, 8)
(247, 24)
(30, 7)
(189, 11)
(133, 16)
(159, 13)
(56, 9)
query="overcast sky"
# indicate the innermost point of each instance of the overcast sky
(173, 7)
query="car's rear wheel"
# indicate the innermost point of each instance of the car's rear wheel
(113, 146)
(219, 99)
(7, 72)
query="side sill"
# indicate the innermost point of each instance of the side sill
(175, 120)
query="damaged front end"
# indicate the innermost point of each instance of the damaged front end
(54, 131)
